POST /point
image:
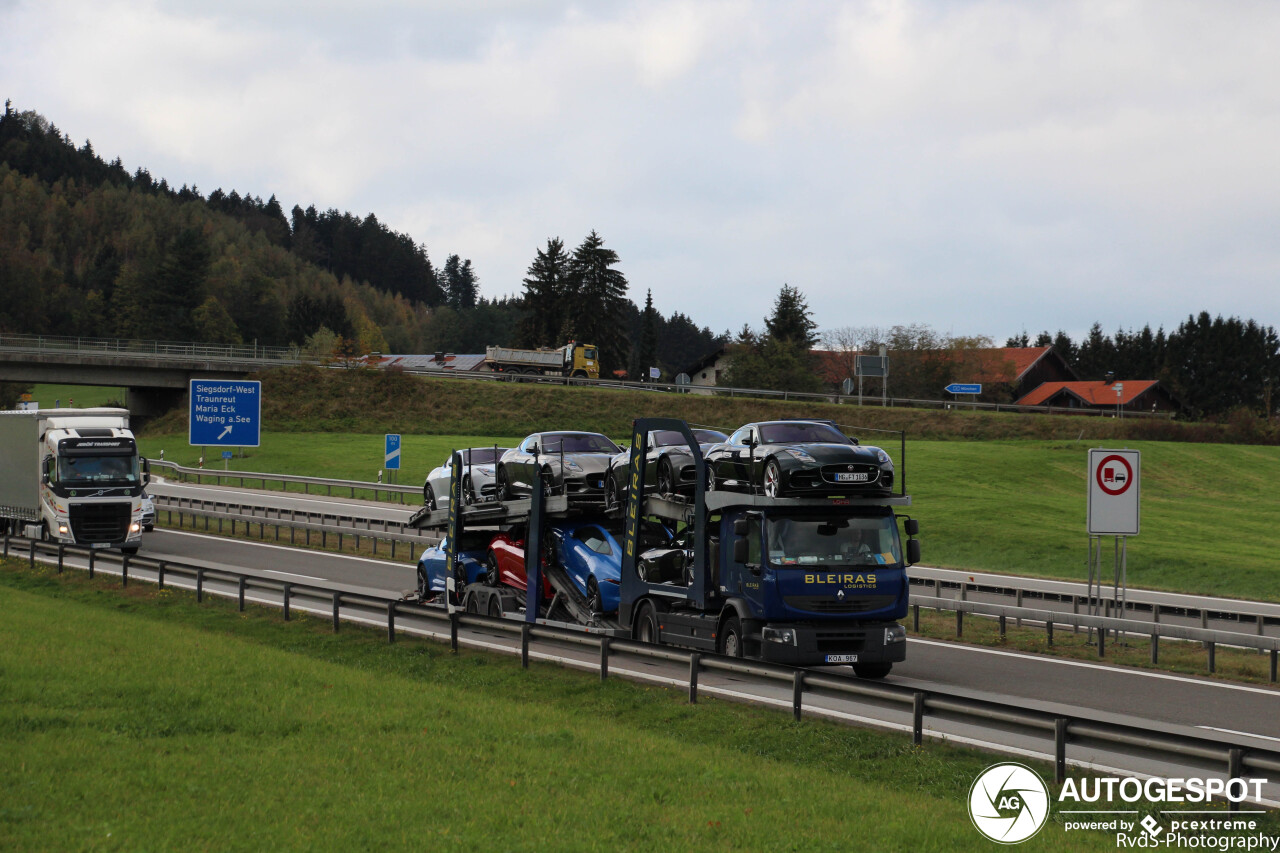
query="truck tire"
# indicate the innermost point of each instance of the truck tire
(132, 550)
(872, 670)
(645, 627)
(495, 606)
(473, 606)
(730, 640)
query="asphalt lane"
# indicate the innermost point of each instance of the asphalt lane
(1004, 676)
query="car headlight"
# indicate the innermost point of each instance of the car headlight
(883, 458)
(895, 634)
(802, 455)
(486, 469)
(570, 465)
(784, 636)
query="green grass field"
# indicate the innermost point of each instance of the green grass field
(138, 720)
(81, 396)
(1210, 523)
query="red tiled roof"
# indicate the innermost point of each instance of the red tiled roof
(994, 364)
(1096, 393)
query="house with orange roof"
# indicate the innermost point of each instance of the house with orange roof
(1131, 395)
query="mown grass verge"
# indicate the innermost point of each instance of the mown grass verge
(137, 719)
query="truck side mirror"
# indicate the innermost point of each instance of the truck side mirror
(739, 529)
(146, 470)
(913, 551)
(912, 527)
(741, 547)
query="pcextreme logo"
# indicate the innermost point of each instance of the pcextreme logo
(1009, 803)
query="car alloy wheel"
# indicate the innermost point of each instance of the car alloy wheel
(500, 487)
(772, 479)
(666, 477)
(491, 564)
(429, 498)
(594, 603)
(468, 492)
(611, 500)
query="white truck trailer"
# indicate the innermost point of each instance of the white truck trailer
(73, 476)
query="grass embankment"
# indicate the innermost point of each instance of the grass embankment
(1210, 520)
(137, 719)
(81, 396)
(311, 399)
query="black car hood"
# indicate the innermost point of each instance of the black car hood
(831, 453)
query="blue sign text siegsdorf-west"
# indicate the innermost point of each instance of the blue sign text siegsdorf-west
(958, 388)
(391, 455)
(225, 413)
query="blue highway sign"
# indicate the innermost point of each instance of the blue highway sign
(225, 413)
(392, 453)
(958, 388)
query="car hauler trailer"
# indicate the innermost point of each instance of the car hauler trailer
(797, 581)
(73, 476)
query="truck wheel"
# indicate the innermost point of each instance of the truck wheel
(491, 564)
(579, 374)
(645, 629)
(429, 498)
(495, 605)
(132, 550)
(772, 479)
(473, 606)
(872, 670)
(731, 638)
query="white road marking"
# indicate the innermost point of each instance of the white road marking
(287, 548)
(1217, 685)
(293, 575)
(1234, 732)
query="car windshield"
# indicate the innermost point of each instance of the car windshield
(671, 438)
(577, 442)
(483, 455)
(833, 542)
(74, 470)
(800, 433)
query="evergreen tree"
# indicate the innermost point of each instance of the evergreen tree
(545, 284)
(647, 352)
(791, 319)
(596, 296)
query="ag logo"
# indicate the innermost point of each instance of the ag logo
(1008, 803)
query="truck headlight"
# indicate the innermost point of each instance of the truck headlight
(135, 527)
(785, 636)
(895, 634)
(63, 529)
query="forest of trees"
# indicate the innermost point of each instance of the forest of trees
(90, 249)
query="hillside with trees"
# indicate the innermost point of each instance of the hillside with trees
(89, 249)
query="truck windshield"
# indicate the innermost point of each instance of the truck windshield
(98, 470)
(833, 542)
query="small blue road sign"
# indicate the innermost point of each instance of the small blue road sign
(225, 413)
(958, 388)
(392, 453)
(226, 454)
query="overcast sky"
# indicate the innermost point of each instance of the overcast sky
(983, 167)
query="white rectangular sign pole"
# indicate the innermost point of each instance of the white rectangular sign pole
(1113, 509)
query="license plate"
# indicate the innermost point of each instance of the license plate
(99, 544)
(842, 658)
(852, 478)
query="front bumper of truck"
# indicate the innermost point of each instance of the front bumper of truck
(807, 644)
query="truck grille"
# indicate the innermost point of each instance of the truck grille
(830, 604)
(100, 522)
(840, 642)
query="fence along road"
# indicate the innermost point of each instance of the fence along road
(1060, 734)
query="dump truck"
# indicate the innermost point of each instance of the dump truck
(73, 476)
(580, 361)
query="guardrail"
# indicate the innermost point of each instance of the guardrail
(200, 474)
(150, 349)
(1100, 627)
(355, 534)
(1234, 756)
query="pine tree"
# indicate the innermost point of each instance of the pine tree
(544, 294)
(647, 352)
(597, 293)
(791, 319)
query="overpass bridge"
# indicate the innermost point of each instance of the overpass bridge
(155, 374)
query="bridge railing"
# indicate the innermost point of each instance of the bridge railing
(143, 349)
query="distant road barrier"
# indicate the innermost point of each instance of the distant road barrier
(199, 475)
